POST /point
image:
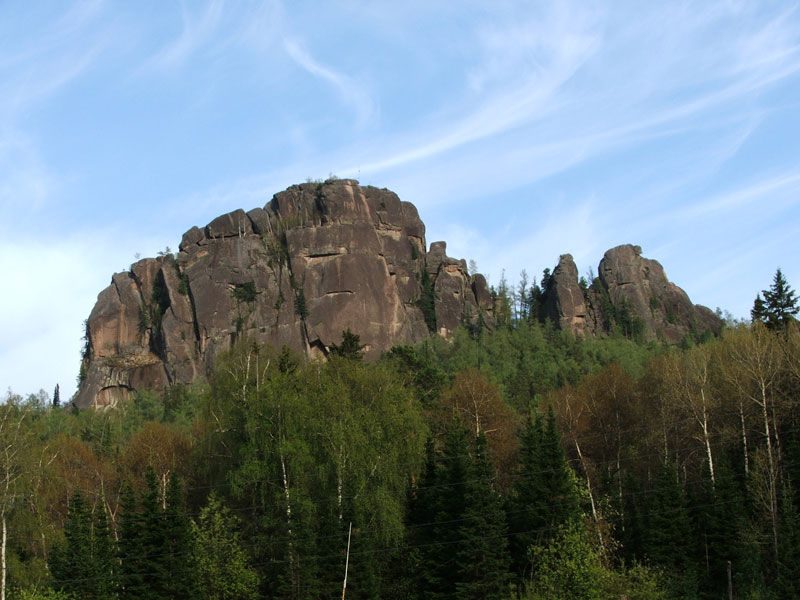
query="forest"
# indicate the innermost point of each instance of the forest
(520, 463)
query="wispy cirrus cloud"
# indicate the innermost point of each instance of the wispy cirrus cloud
(351, 92)
(196, 32)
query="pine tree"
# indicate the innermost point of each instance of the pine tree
(482, 556)
(779, 306)
(56, 397)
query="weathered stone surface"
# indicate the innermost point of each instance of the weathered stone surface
(318, 259)
(564, 301)
(353, 255)
(233, 224)
(630, 292)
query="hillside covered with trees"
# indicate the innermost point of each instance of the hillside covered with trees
(520, 463)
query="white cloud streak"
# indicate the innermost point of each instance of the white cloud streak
(196, 32)
(351, 92)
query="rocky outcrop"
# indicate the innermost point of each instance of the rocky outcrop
(321, 258)
(318, 259)
(631, 294)
(564, 301)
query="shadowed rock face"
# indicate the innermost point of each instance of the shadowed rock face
(319, 259)
(630, 292)
(564, 302)
(316, 260)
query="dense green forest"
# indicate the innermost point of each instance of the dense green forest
(520, 463)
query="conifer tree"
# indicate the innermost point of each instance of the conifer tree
(545, 496)
(178, 555)
(669, 528)
(131, 548)
(779, 306)
(448, 497)
(71, 563)
(788, 581)
(153, 535)
(482, 557)
(350, 348)
(105, 563)
(84, 565)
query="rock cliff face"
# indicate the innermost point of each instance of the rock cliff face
(316, 260)
(322, 258)
(631, 293)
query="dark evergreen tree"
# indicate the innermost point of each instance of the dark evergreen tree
(787, 585)
(143, 544)
(447, 498)
(131, 548)
(350, 348)
(154, 539)
(178, 554)
(105, 562)
(482, 555)
(779, 306)
(56, 397)
(668, 529)
(545, 496)
(84, 565)
(71, 563)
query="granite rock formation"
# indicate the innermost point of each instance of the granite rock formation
(321, 258)
(631, 293)
(318, 259)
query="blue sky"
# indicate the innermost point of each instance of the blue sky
(521, 131)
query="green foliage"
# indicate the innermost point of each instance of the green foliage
(779, 306)
(350, 348)
(545, 496)
(223, 570)
(84, 566)
(183, 286)
(482, 557)
(300, 307)
(245, 292)
(566, 567)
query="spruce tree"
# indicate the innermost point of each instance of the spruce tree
(482, 556)
(779, 306)
(350, 348)
(131, 548)
(105, 563)
(71, 562)
(154, 540)
(181, 572)
(545, 496)
(669, 529)
(440, 572)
